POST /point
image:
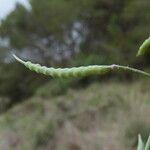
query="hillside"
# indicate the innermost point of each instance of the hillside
(102, 116)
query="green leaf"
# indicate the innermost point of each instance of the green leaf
(147, 146)
(140, 143)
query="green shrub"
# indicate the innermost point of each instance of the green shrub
(54, 88)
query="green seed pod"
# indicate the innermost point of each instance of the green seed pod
(143, 48)
(77, 71)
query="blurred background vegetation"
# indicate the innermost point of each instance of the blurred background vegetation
(66, 33)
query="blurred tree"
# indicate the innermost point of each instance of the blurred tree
(50, 27)
(100, 31)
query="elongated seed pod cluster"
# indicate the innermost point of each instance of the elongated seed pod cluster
(84, 70)
(144, 47)
(141, 145)
(77, 71)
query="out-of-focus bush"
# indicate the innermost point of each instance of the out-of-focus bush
(55, 87)
(17, 83)
(4, 103)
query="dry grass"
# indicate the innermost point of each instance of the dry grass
(101, 117)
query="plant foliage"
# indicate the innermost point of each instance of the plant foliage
(141, 145)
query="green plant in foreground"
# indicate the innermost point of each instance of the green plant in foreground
(90, 70)
(141, 145)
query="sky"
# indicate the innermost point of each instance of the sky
(6, 6)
